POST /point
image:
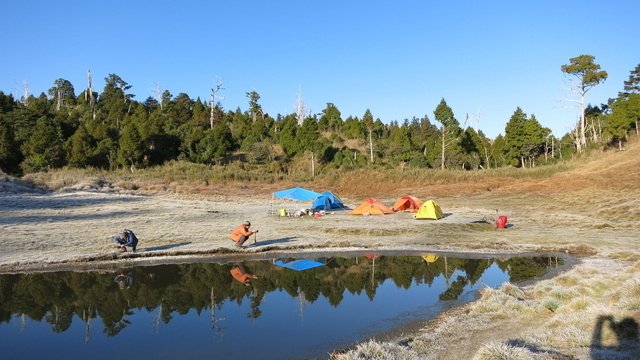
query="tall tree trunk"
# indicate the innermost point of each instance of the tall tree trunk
(577, 140)
(546, 151)
(371, 145)
(442, 157)
(583, 138)
(486, 157)
(211, 114)
(313, 165)
(560, 150)
(59, 99)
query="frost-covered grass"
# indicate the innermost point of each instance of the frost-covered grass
(589, 311)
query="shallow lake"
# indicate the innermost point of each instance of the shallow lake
(292, 310)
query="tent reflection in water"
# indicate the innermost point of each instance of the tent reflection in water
(407, 203)
(430, 258)
(429, 210)
(299, 265)
(371, 206)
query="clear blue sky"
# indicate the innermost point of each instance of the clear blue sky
(396, 58)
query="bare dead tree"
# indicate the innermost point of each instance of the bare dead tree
(26, 93)
(585, 74)
(215, 320)
(546, 150)
(214, 94)
(301, 110)
(88, 95)
(157, 93)
(86, 316)
(575, 133)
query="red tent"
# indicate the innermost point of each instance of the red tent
(407, 203)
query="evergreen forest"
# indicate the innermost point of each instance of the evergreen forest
(110, 129)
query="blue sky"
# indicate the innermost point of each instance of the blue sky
(396, 58)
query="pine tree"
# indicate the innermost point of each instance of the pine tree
(587, 74)
(10, 155)
(44, 150)
(449, 129)
(130, 147)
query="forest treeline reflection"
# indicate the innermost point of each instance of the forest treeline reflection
(56, 298)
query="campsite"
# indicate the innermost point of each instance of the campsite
(572, 212)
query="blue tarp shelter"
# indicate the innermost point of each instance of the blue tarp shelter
(327, 201)
(299, 265)
(297, 194)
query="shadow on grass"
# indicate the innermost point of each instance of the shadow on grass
(165, 247)
(273, 241)
(627, 336)
(539, 351)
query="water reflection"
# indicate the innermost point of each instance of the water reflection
(263, 291)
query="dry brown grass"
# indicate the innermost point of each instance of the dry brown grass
(590, 180)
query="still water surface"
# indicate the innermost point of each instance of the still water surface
(206, 310)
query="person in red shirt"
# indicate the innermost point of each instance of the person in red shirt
(242, 233)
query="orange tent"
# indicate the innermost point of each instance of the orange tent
(407, 203)
(371, 206)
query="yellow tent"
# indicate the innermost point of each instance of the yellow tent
(429, 210)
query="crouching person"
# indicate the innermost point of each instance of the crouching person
(242, 233)
(127, 238)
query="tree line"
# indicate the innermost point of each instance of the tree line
(110, 129)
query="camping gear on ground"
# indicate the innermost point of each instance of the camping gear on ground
(299, 265)
(327, 201)
(371, 206)
(283, 212)
(407, 203)
(429, 210)
(294, 194)
(501, 223)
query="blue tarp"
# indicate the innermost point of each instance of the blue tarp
(299, 265)
(327, 201)
(296, 193)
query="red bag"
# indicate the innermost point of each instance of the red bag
(501, 223)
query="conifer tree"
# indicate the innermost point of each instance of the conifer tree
(10, 155)
(449, 129)
(44, 150)
(587, 74)
(130, 147)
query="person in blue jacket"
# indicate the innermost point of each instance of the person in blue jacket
(127, 238)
